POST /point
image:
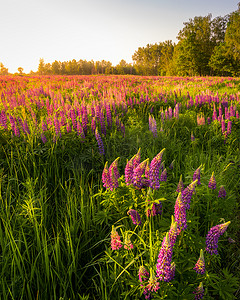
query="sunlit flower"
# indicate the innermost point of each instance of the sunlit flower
(180, 214)
(199, 292)
(212, 182)
(213, 236)
(134, 216)
(222, 192)
(115, 239)
(200, 265)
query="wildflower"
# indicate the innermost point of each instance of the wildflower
(129, 171)
(163, 176)
(172, 271)
(222, 192)
(143, 274)
(100, 142)
(127, 243)
(188, 192)
(134, 216)
(43, 137)
(152, 286)
(114, 174)
(229, 127)
(105, 176)
(200, 265)
(115, 239)
(213, 236)
(192, 137)
(197, 175)
(171, 164)
(155, 210)
(199, 292)
(164, 260)
(137, 174)
(154, 171)
(153, 125)
(180, 186)
(173, 232)
(212, 182)
(180, 214)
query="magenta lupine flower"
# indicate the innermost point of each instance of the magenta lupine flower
(199, 292)
(200, 265)
(223, 126)
(134, 216)
(113, 174)
(138, 172)
(164, 261)
(115, 239)
(154, 168)
(212, 182)
(93, 124)
(180, 186)
(43, 137)
(100, 142)
(143, 274)
(129, 171)
(213, 236)
(106, 176)
(163, 176)
(173, 232)
(172, 271)
(188, 192)
(155, 210)
(222, 192)
(229, 127)
(152, 125)
(197, 175)
(137, 159)
(152, 287)
(180, 214)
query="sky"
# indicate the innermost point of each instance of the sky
(112, 30)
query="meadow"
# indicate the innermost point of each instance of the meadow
(119, 187)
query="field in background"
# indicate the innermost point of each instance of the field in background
(56, 217)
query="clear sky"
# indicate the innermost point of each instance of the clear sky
(92, 29)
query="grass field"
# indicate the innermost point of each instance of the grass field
(119, 187)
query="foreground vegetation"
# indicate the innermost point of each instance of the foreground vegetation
(94, 172)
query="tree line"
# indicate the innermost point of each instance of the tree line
(205, 46)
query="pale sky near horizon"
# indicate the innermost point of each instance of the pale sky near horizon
(112, 30)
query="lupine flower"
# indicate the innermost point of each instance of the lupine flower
(153, 125)
(43, 137)
(223, 126)
(154, 171)
(229, 127)
(155, 210)
(213, 236)
(192, 137)
(127, 243)
(134, 216)
(113, 174)
(180, 186)
(172, 271)
(100, 142)
(164, 260)
(137, 159)
(212, 182)
(222, 192)
(188, 192)
(143, 274)
(106, 176)
(129, 171)
(138, 172)
(180, 214)
(200, 265)
(199, 292)
(197, 175)
(173, 232)
(115, 239)
(152, 287)
(163, 176)
(171, 165)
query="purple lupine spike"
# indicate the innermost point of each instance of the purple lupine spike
(188, 192)
(116, 243)
(180, 186)
(199, 292)
(222, 192)
(212, 182)
(93, 124)
(229, 127)
(153, 126)
(137, 159)
(154, 169)
(163, 266)
(163, 176)
(102, 124)
(73, 118)
(155, 210)
(172, 271)
(143, 274)
(127, 243)
(109, 116)
(43, 137)
(134, 216)
(25, 127)
(172, 164)
(57, 127)
(100, 142)
(4, 119)
(223, 126)
(200, 265)
(192, 137)
(197, 175)
(129, 171)
(180, 214)
(173, 232)
(138, 172)
(213, 236)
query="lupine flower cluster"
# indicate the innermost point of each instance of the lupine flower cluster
(197, 175)
(212, 182)
(222, 192)
(156, 209)
(213, 236)
(136, 219)
(116, 243)
(154, 170)
(200, 265)
(188, 192)
(110, 175)
(199, 292)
